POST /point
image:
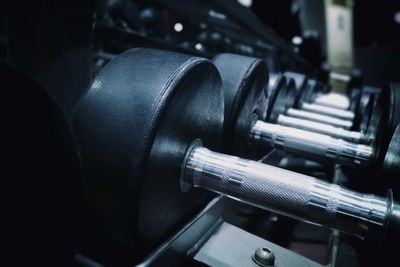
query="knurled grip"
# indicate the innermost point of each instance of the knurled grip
(316, 146)
(302, 114)
(285, 192)
(329, 111)
(322, 128)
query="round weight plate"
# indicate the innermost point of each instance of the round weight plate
(374, 130)
(277, 98)
(133, 125)
(307, 93)
(355, 98)
(391, 163)
(301, 82)
(291, 92)
(41, 175)
(364, 113)
(393, 115)
(244, 81)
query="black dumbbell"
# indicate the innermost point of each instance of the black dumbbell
(364, 130)
(144, 123)
(244, 86)
(41, 175)
(374, 123)
(281, 92)
(324, 98)
(307, 90)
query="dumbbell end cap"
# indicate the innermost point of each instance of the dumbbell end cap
(185, 184)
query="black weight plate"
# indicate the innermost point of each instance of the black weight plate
(133, 125)
(363, 115)
(41, 174)
(355, 98)
(391, 163)
(374, 130)
(393, 116)
(291, 92)
(244, 80)
(315, 88)
(301, 82)
(307, 93)
(277, 97)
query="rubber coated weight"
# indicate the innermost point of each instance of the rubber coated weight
(41, 175)
(355, 98)
(391, 164)
(363, 114)
(302, 88)
(244, 81)
(393, 107)
(313, 88)
(277, 97)
(134, 125)
(291, 92)
(306, 95)
(371, 114)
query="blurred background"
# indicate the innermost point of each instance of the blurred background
(47, 38)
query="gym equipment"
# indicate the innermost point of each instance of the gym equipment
(277, 109)
(306, 107)
(139, 127)
(365, 127)
(246, 126)
(126, 127)
(391, 163)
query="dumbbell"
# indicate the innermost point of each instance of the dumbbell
(303, 108)
(308, 90)
(335, 100)
(143, 127)
(245, 127)
(366, 127)
(372, 123)
(41, 175)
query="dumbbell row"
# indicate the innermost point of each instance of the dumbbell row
(138, 135)
(323, 128)
(277, 86)
(333, 100)
(304, 107)
(326, 110)
(307, 115)
(316, 146)
(367, 102)
(312, 145)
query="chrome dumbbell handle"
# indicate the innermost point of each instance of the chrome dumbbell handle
(312, 145)
(333, 100)
(322, 128)
(296, 113)
(285, 192)
(329, 111)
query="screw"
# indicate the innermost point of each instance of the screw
(264, 257)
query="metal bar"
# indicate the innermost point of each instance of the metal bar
(312, 145)
(329, 111)
(296, 113)
(322, 128)
(285, 192)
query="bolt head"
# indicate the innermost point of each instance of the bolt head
(264, 257)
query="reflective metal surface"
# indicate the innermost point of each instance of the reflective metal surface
(296, 113)
(322, 128)
(285, 192)
(313, 145)
(333, 100)
(329, 111)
